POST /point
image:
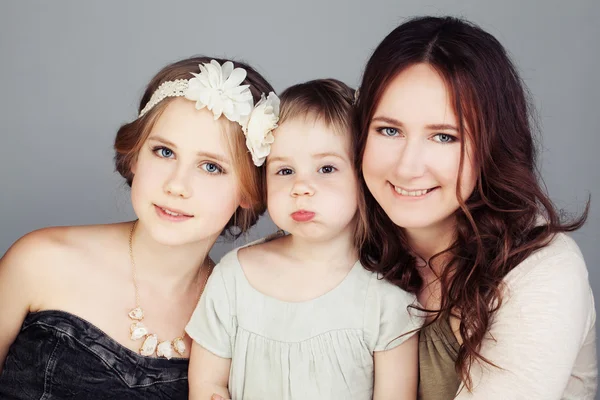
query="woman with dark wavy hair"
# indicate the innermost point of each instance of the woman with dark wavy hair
(457, 215)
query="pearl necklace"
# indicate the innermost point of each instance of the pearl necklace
(138, 330)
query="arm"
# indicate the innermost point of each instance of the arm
(537, 333)
(208, 374)
(210, 327)
(389, 384)
(17, 279)
(391, 331)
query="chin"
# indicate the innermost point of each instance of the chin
(173, 236)
(412, 221)
(434, 224)
(170, 239)
(311, 233)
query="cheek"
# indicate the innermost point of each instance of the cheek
(145, 178)
(276, 187)
(340, 193)
(375, 158)
(468, 177)
(224, 195)
(468, 180)
(150, 171)
(443, 163)
(346, 185)
(218, 213)
(277, 202)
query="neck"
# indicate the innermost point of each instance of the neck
(339, 251)
(176, 268)
(429, 241)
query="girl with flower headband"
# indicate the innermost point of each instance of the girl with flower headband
(296, 316)
(447, 157)
(98, 312)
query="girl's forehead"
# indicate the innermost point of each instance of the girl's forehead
(190, 129)
(309, 142)
(309, 131)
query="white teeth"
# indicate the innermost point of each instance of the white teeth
(171, 213)
(413, 193)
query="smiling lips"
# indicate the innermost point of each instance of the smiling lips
(413, 193)
(303, 216)
(171, 214)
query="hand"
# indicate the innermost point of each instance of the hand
(217, 397)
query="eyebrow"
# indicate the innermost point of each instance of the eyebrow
(275, 159)
(329, 154)
(162, 140)
(208, 154)
(435, 127)
(318, 155)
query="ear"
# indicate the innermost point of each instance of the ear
(133, 167)
(245, 204)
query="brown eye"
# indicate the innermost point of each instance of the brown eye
(285, 171)
(327, 169)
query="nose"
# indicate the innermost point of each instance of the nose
(302, 187)
(411, 160)
(178, 184)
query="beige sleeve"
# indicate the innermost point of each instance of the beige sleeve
(536, 337)
(211, 325)
(389, 319)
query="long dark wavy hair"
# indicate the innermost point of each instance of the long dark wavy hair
(508, 216)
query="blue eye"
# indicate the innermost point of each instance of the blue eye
(327, 169)
(212, 168)
(163, 152)
(444, 138)
(389, 131)
(285, 171)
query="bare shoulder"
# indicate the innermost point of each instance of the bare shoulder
(48, 251)
(35, 247)
(47, 243)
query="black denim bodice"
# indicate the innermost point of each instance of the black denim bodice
(58, 355)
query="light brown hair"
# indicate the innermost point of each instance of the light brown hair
(329, 101)
(131, 137)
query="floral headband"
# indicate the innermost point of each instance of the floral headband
(217, 87)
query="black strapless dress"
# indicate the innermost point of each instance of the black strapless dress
(58, 355)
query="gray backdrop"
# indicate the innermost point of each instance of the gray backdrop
(71, 72)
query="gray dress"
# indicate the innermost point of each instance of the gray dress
(318, 349)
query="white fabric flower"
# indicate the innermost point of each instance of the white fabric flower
(218, 88)
(258, 130)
